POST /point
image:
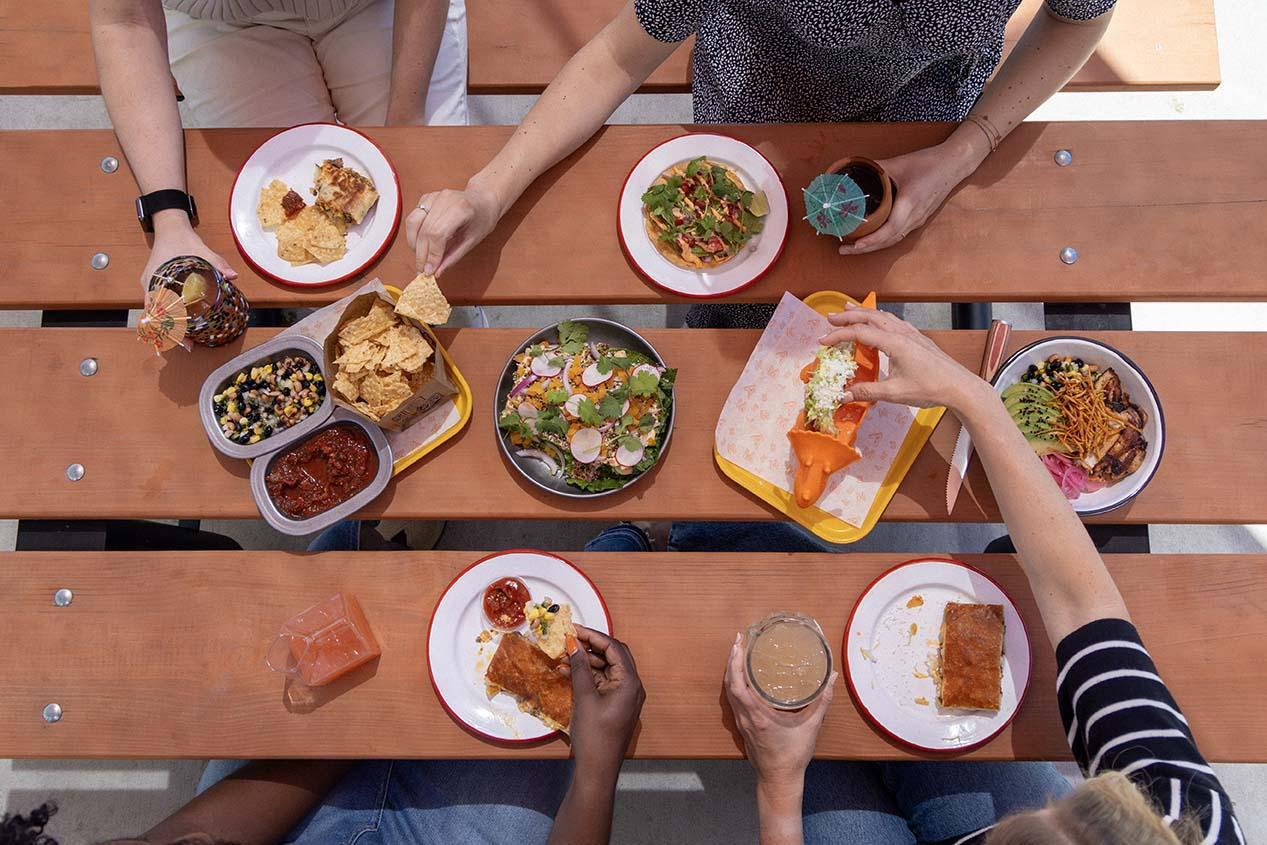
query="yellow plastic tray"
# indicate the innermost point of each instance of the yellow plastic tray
(463, 401)
(832, 528)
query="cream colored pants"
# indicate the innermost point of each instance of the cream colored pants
(280, 72)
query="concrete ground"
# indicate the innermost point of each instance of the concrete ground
(698, 802)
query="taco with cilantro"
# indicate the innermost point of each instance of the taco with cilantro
(699, 215)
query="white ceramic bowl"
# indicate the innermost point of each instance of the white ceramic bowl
(1137, 387)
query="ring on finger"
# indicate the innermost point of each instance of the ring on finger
(422, 206)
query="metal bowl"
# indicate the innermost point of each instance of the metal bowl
(1136, 385)
(341, 511)
(600, 331)
(268, 352)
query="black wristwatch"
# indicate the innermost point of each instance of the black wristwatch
(150, 204)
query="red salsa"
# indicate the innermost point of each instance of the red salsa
(504, 602)
(325, 470)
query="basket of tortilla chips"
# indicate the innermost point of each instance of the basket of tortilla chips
(384, 357)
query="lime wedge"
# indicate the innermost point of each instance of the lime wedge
(759, 204)
(194, 289)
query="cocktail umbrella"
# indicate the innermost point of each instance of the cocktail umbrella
(164, 321)
(834, 204)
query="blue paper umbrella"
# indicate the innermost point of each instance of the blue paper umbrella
(834, 204)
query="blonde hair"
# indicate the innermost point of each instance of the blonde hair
(1105, 810)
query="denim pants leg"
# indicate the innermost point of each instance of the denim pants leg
(947, 800)
(619, 538)
(848, 802)
(744, 537)
(386, 802)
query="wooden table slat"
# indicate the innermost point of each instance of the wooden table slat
(517, 46)
(998, 239)
(134, 426)
(161, 655)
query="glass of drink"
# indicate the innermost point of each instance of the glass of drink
(216, 310)
(324, 643)
(787, 660)
(878, 187)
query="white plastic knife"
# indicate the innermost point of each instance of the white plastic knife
(995, 345)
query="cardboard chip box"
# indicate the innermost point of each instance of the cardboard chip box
(397, 407)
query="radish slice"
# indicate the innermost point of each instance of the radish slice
(647, 368)
(541, 366)
(624, 409)
(573, 405)
(628, 457)
(527, 410)
(586, 444)
(537, 454)
(592, 377)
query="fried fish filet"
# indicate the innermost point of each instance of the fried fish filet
(970, 672)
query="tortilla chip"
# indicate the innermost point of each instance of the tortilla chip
(422, 301)
(270, 211)
(405, 345)
(290, 247)
(346, 387)
(384, 392)
(324, 255)
(363, 328)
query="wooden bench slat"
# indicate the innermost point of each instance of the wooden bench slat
(1140, 234)
(518, 46)
(146, 662)
(134, 426)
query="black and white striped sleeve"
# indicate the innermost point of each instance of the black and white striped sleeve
(1119, 716)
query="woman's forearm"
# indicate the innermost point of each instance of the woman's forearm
(1066, 573)
(587, 90)
(779, 813)
(1049, 53)
(417, 28)
(129, 38)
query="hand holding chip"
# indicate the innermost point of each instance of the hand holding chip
(450, 224)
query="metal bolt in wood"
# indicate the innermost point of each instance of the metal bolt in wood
(1069, 255)
(63, 597)
(1063, 158)
(109, 164)
(52, 713)
(100, 261)
(88, 367)
(75, 472)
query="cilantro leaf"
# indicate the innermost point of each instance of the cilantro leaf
(626, 421)
(621, 393)
(647, 422)
(572, 336)
(695, 166)
(630, 442)
(644, 383)
(588, 412)
(550, 421)
(611, 407)
(557, 396)
(515, 424)
(604, 365)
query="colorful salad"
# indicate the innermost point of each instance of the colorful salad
(1080, 421)
(595, 415)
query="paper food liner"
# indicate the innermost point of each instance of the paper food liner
(432, 416)
(763, 405)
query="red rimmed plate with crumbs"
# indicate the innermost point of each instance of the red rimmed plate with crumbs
(891, 645)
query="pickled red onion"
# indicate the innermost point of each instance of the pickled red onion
(1069, 476)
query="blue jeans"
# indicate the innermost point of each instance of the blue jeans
(919, 802)
(715, 537)
(386, 802)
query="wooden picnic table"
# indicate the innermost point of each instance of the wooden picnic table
(1141, 233)
(134, 427)
(161, 654)
(517, 46)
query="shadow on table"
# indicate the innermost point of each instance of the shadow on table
(298, 698)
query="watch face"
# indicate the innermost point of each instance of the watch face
(193, 207)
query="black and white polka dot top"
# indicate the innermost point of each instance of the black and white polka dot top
(794, 61)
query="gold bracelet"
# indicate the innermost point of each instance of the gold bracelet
(992, 135)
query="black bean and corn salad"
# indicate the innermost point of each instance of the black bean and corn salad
(269, 398)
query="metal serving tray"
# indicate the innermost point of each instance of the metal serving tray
(299, 527)
(268, 352)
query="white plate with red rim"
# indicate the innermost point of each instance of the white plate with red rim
(887, 665)
(457, 660)
(758, 255)
(293, 156)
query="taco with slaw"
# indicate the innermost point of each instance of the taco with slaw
(823, 437)
(700, 215)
